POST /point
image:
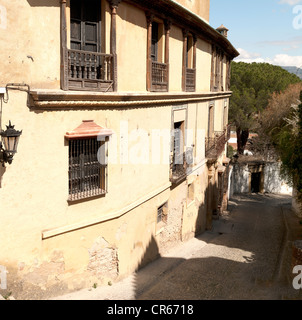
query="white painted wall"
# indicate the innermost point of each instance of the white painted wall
(273, 183)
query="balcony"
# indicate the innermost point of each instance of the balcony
(89, 71)
(215, 146)
(181, 166)
(190, 79)
(228, 133)
(159, 76)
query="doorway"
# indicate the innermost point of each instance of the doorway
(255, 182)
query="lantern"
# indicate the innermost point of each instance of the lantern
(10, 139)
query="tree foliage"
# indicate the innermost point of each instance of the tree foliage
(281, 127)
(252, 85)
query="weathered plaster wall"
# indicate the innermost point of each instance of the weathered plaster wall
(272, 182)
(45, 241)
(295, 205)
(31, 53)
(201, 8)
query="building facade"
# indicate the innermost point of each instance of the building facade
(123, 107)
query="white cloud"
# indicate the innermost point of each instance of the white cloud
(290, 2)
(248, 55)
(286, 60)
(278, 59)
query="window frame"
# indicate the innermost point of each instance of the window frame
(103, 77)
(217, 70)
(87, 177)
(189, 62)
(83, 22)
(190, 194)
(157, 71)
(162, 213)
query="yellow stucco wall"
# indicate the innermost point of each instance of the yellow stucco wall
(37, 62)
(203, 66)
(132, 44)
(42, 234)
(201, 8)
(31, 36)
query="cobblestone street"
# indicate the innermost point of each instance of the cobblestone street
(247, 256)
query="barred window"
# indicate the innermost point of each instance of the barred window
(162, 213)
(87, 172)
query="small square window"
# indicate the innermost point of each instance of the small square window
(162, 213)
(190, 194)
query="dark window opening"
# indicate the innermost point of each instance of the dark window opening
(85, 18)
(87, 176)
(162, 213)
(154, 42)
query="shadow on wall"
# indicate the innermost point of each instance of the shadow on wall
(147, 274)
(193, 279)
(43, 3)
(2, 171)
(243, 272)
(203, 222)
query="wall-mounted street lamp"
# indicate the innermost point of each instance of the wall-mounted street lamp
(9, 137)
(9, 144)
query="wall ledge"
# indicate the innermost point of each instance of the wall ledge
(109, 216)
(59, 99)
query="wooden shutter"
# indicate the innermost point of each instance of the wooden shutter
(75, 24)
(85, 25)
(154, 42)
(211, 122)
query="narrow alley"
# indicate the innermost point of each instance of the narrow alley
(247, 255)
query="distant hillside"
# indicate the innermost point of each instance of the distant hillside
(295, 70)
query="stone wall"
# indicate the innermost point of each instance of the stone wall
(271, 180)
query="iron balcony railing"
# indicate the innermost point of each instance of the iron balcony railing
(181, 165)
(228, 133)
(215, 145)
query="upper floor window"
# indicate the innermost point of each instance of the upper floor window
(85, 25)
(217, 83)
(189, 62)
(155, 41)
(157, 55)
(228, 74)
(85, 65)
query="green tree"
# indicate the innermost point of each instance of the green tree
(281, 128)
(252, 85)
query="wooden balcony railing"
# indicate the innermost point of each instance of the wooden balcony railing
(90, 70)
(159, 76)
(190, 79)
(215, 146)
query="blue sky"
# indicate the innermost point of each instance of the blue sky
(262, 31)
